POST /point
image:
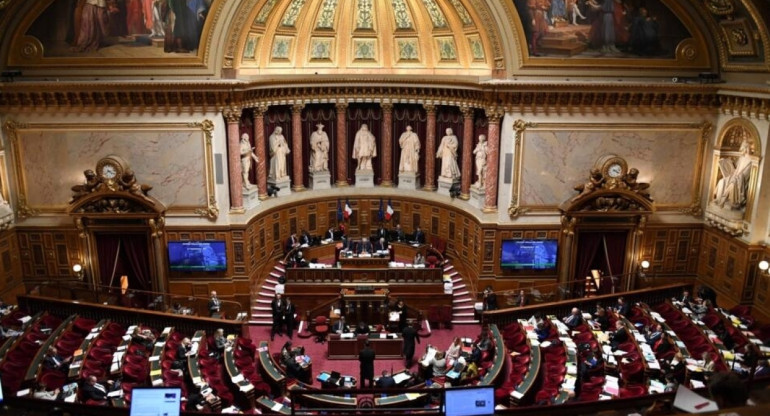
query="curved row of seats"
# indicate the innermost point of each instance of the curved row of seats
(692, 336)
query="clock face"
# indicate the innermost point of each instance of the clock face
(109, 171)
(615, 170)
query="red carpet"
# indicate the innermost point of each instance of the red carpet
(317, 352)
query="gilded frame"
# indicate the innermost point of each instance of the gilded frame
(15, 130)
(516, 208)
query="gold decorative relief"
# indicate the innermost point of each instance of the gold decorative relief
(739, 37)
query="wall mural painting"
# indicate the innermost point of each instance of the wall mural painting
(121, 28)
(600, 28)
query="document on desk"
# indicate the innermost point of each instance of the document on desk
(401, 377)
(692, 402)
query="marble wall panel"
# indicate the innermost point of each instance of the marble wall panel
(171, 161)
(554, 160)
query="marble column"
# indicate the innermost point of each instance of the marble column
(296, 147)
(233, 117)
(342, 144)
(387, 145)
(493, 161)
(259, 143)
(430, 149)
(467, 161)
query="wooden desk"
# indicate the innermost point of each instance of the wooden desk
(243, 385)
(498, 361)
(266, 363)
(84, 346)
(34, 366)
(156, 371)
(383, 274)
(367, 262)
(348, 349)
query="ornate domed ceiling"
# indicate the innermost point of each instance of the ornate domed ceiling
(366, 36)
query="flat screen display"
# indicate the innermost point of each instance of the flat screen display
(529, 254)
(469, 402)
(164, 401)
(197, 256)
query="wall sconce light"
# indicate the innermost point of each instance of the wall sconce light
(764, 265)
(77, 268)
(645, 265)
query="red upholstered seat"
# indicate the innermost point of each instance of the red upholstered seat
(632, 390)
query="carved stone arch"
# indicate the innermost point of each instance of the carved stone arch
(735, 131)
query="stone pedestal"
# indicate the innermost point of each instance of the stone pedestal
(283, 184)
(250, 197)
(477, 196)
(320, 180)
(444, 184)
(364, 179)
(409, 180)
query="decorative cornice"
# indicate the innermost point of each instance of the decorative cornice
(751, 107)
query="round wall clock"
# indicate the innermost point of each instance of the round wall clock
(110, 168)
(612, 167)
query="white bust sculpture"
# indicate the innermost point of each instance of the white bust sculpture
(410, 151)
(447, 152)
(247, 155)
(364, 148)
(319, 150)
(278, 151)
(481, 160)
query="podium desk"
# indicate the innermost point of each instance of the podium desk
(364, 262)
(348, 349)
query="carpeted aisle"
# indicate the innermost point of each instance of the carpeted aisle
(440, 338)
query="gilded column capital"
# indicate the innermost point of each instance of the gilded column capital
(341, 106)
(387, 106)
(232, 114)
(468, 112)
(494, 114)
(297, 108)
(260, 111)
(429, 108)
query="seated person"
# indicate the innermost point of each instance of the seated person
(43, 394)
(220, 342)
(475, 356)
(418, 259)
(364, 247)
(471, 372)
(623, 308)
(5, 332)
(601, 320)
(542, 331)
(574, 319)
(619, 336)
(93, 390)
(589, 363)
(386, 381)
(485, 343)
(305, 239)
(287, 352)
(299, 260)
(362, 328)
(762, 369)
(725, 337)
(438, 364)
(340, 327)
(54, 361)
(183, 351)
(655, 335)
(143, 336)
(381, 245)
(398, 233)
(454, 350)
(419, 236)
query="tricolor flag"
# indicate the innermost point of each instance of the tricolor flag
(389, 211)
(381, 213)
(339, 211)
(348, 211)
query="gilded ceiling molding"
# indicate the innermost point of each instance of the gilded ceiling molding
(750, 107)
(236, 35)
(23, 210)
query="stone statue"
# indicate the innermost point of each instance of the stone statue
(733, 187)
(247, 154)
(91, 184)
(364, 148)
(481, 160)
(319, 150)
(631, 182)
(410, 151)
(595, 182)
(278, 151)
(447, 152)
(128, 183)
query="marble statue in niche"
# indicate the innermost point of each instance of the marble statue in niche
(278, 151)
(319, 150)
(481, 160)
(732, 188)
(447, 152)
(247, 155)
(364, 148)
(410, 151)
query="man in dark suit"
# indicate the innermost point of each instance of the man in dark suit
(400, 233)
(419, 236)
(386, 381)
(619, 336)
(214, 304)
(655, 334)
(54, 361)
(329, 235)
(304, 238)
(182, 351)
(624, 308)
(366, 360)
(276, 307)
(288, 317)
(574, 319)
(381, 245)
(291, 242)
(365, 246)
(686, 299)
(410, 336)
(340, 327)
(382, 232)
(92, 390)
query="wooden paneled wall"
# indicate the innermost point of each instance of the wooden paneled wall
(10, 266)
(729, 266)
(672, 250)
(762, 290)
(48, 254)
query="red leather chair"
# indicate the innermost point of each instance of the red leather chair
(632, 390)
(321, 328)
(83, 325)
(52, 380)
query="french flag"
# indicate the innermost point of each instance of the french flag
(348, 211)
(389, 211)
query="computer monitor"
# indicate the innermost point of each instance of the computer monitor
(164, 401)
(473, 401)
